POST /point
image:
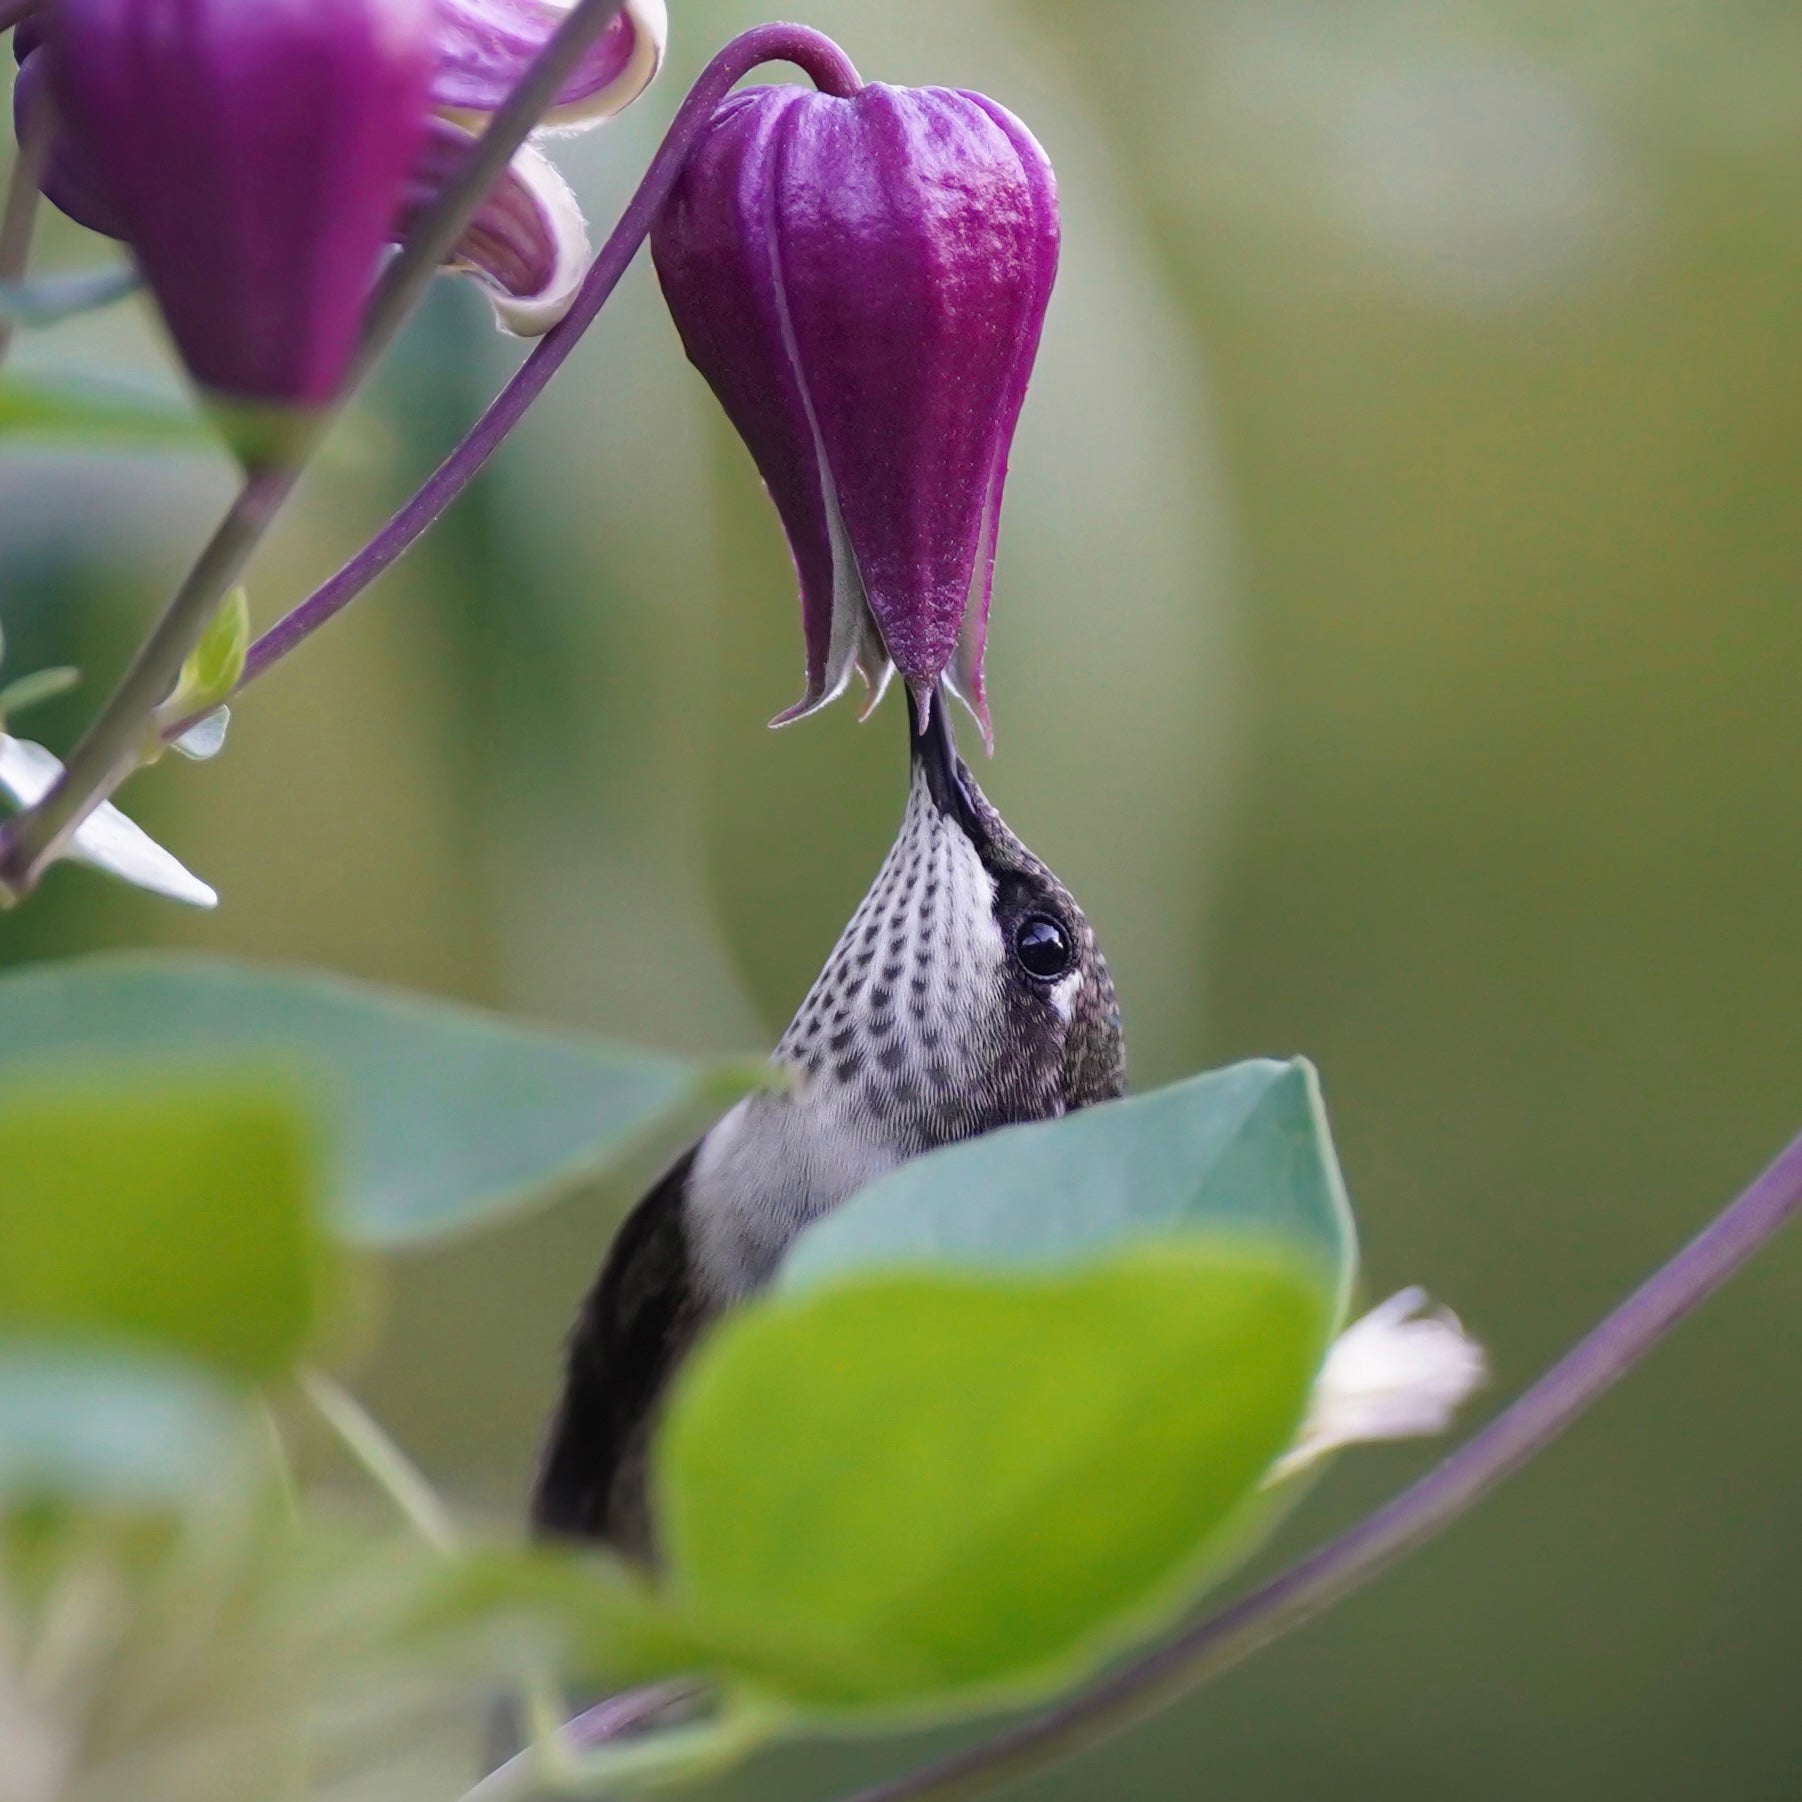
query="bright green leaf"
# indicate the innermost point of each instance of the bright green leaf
(110, 1429)
(212, 668)
(85, 408)
(1244, 1151)
(935, 1488)
(439, 1117)
(178, 1215)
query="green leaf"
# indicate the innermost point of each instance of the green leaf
(1243, 1151)
(175, 1214)
(212, 669)
(581, 1613)
(915, 1489)
(439, 1117)
(65, 406)
(109, 1429)
(49, 299)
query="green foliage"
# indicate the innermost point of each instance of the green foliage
(439, 1118)
(110, 1429)
(1005, 1412)
(64, 407)
(927, 1487)
(552, 1607)
(173, 1215)
(212, 669)
(1243, 1151)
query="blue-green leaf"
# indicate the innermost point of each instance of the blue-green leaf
(101, 1427)
(438, 1117)
(1243, 1151)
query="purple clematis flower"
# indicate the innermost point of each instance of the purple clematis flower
(258, 154)
(862, 282)
(252, 152)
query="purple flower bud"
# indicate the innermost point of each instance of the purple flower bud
(68, 180)
(527, 245)
(862, 282)
(254, 155)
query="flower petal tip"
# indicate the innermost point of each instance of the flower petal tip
(554, 238)
(1401, 1372)
(877, 684)
(808, 704)
(977, 706)
(487, 45)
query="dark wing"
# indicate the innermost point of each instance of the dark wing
(634, 1329)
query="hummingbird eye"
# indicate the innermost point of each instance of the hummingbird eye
(1043, 947)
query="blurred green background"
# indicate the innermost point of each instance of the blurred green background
(1398, 647)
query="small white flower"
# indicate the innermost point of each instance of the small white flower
(1402, 1372)
(106, 839)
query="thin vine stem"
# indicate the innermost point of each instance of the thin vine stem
(816, 56)
(1594, 1365)
(383, 1462)
(24, 196)
(110, 749)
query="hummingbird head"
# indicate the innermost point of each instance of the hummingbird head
(966, 993)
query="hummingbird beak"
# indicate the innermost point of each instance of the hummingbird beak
(948, 780)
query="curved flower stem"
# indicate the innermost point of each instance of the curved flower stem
(831, 71)
(619, 1717)
(109, 750)
(1598, 1361)
(19, 216)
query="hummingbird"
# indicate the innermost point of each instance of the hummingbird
(967, 993)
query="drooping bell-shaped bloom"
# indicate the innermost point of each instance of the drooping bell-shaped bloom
(862, 282)
(239, 158)
(254, 154)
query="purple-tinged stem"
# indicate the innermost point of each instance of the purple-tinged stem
(111, 748)
(810, 51)
(1597, 1362)
(632, 1712)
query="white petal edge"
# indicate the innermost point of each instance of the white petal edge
(532, 315)
(1401, 1372)
(106, 839)
(650, 34)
